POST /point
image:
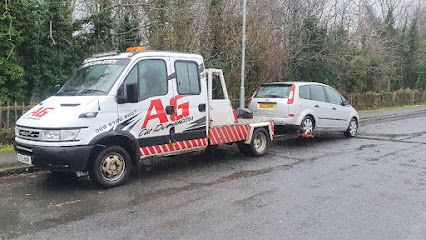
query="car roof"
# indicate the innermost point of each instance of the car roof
(295, 83)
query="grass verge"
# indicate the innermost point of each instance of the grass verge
(6, 149)
(383, 109)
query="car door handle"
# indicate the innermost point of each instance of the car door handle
(334, 108)
(317, 106)
(170, 110)
(202, 107)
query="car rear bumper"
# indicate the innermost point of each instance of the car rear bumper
(65, 159)
(285, 121)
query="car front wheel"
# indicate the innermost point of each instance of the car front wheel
(352, 128)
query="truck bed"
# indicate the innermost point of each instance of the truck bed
(235, 132)
(243, 121)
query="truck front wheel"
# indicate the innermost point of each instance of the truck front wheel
(259, 143)
(112, 167)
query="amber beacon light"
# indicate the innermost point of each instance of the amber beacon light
(136, 49)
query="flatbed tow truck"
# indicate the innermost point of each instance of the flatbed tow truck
(119, 109)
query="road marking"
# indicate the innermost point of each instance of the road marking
(66, 203)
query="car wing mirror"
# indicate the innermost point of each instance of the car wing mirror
(346, 103)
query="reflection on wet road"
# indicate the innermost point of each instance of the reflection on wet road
(369, 187)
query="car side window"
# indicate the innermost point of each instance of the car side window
(317, 93)
(304, 92)
(188, 78)
(152, 78)
(333, 96)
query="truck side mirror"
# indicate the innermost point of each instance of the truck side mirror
(131, 95)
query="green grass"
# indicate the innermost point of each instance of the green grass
(6, 149)
(383, 109)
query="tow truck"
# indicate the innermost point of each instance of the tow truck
(120, 108)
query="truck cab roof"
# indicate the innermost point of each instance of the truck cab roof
(135, 55)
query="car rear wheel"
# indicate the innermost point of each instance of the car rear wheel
(307, 126)
(112, 167)
(352, 128)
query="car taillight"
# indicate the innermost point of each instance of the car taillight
(291, 95)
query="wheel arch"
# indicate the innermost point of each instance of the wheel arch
(268, 126)
(118, 138)
(304, 114)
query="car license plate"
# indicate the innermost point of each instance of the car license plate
(24, 158)
(267, 105)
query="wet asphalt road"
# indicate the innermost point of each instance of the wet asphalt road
(369, 187)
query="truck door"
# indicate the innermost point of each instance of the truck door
(220, 108)
(190, 100)
(148, 119)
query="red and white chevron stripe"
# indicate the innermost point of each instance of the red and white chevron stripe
(217, 135)
(164, 149)
(228, 134)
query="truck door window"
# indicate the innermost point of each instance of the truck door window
(217, 92)
(187, 77)
(152, 78)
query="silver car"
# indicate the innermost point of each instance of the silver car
(305, 107)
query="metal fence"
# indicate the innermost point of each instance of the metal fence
(10, 112)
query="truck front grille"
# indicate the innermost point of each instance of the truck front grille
(27, 133)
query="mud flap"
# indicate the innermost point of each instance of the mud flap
(253, 126)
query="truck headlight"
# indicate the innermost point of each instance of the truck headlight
(59, 135)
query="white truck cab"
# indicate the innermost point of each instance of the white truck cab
(120, 108)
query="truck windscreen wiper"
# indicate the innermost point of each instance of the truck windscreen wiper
(67, 93)
(89, 92)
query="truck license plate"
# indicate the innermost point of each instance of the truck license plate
(267, 105)
(24, 158)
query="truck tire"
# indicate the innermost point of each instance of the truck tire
(259, 143)
(112, 167)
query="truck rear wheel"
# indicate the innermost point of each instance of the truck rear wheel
(259, 143)
(112, 167)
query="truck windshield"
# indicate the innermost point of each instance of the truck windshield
(94, 78)
(273, 91)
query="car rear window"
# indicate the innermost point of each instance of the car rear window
(273, 91)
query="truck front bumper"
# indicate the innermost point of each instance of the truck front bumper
(65, 159)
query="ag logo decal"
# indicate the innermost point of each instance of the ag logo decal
(156, 111)
(40, 112)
